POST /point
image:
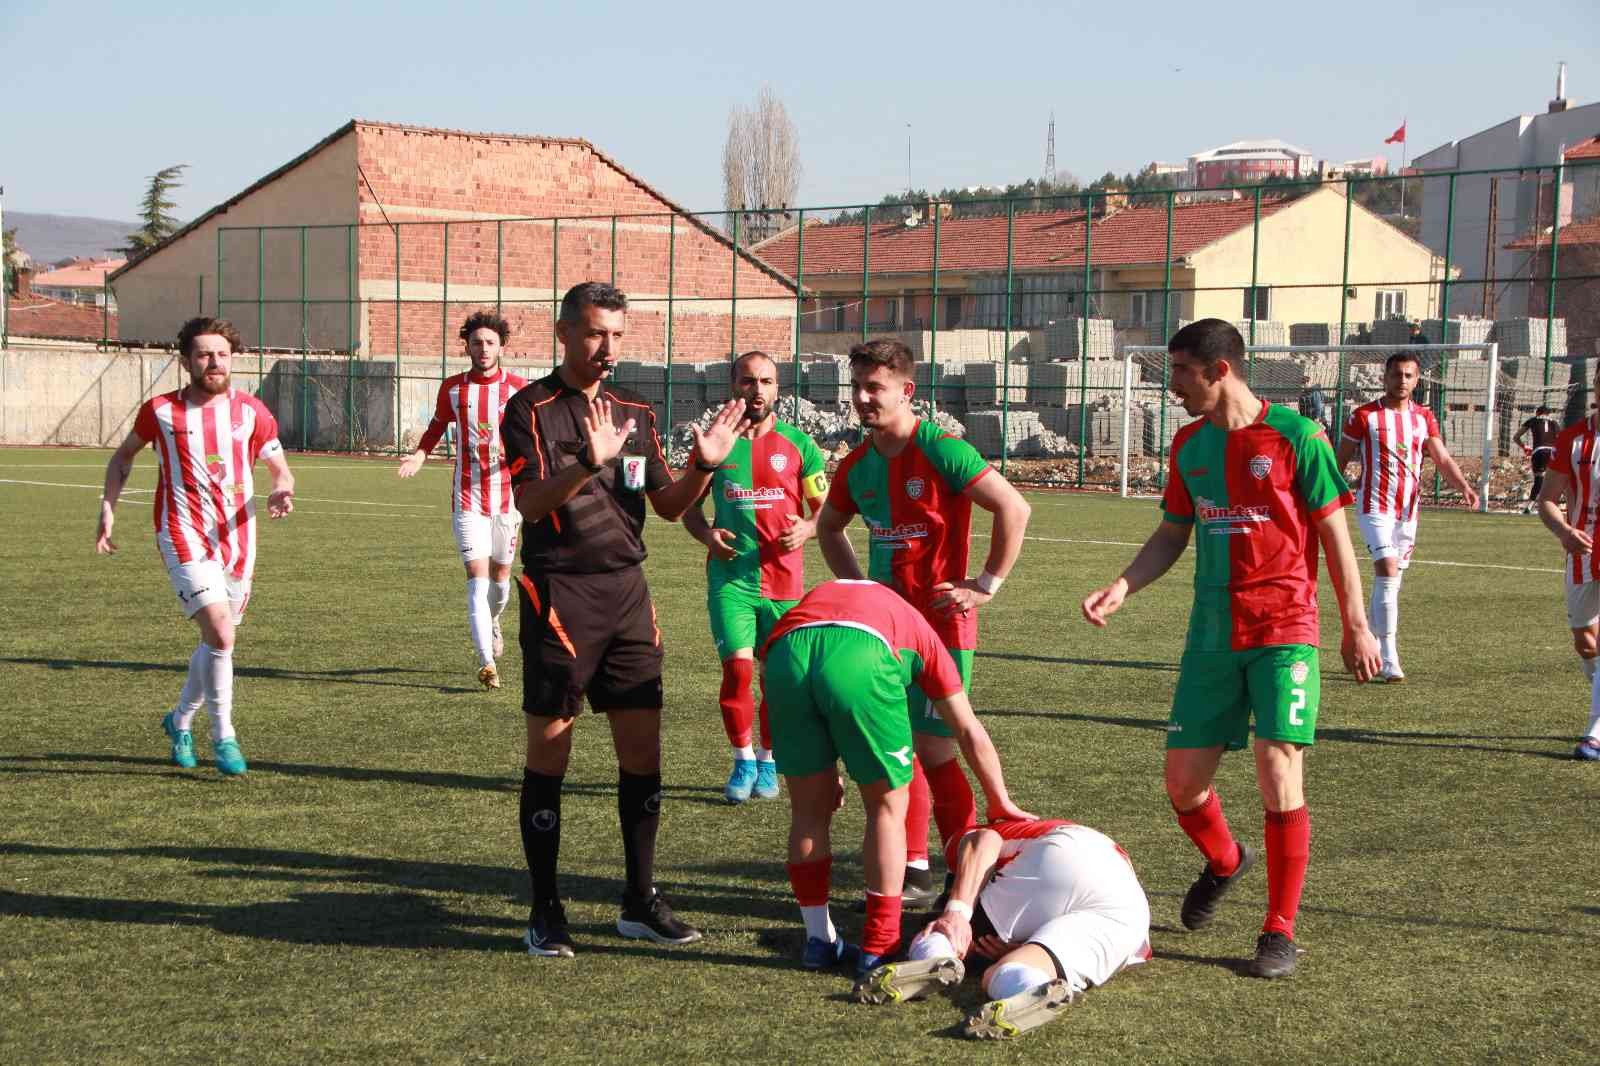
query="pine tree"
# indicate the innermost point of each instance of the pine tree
(159, 224)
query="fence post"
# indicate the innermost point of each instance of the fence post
(733, 302)
(1083, 345)
(613, 249)
(1440, 405)
(555, 286)
(1344, 302)
(1005, 346)
(444, 310)
(349, 337)
(933, 315)
(1255, 298)
(397, 407)
(1550, 283)
(1166, 335)
(866, 259)
(799, 312)
(305, 366)
(219, 272)
(672, 257)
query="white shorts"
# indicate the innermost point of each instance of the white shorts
(1388, 538)
(1583, 601)
(203, 583)
(481, 536)
(1075, 895)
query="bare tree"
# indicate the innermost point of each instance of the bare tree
(760, 168)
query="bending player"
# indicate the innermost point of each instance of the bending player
(1392, 434)
(485, 513)
(1054, 906)
(755, 569)
(1573, 475)
(1262, 483)
(207, 437)
(914, 486)
(1542, 431)
(836, 671)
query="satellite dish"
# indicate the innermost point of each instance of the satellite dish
(912, 220)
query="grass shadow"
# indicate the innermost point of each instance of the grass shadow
(337, 677)
(1126, 664)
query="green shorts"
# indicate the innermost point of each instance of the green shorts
(740, 616)
(926, 720)
(1218, 691)
(835, 692)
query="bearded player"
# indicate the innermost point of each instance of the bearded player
(485, 513)
(1262, 484)
(754, 563)
(914, 486)
(1393, 433)
(207, 437)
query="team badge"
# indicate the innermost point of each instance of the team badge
(633, 472)
(1261, 466)
(1299, 672)
(914, 488)
(779, 461)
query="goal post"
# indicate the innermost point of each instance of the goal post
(1479, 400)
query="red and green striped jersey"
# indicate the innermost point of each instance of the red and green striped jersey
(919, 523)
(757, 488)
(1258, 492)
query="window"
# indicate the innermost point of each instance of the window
(1139, 306)
(1257, 303)
(952, 312)
(1391, 303)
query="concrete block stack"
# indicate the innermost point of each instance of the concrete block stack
(1269, 332)
(1100, 425)
(1462, 330)
(1526, 337)
(1064, 339)
(1057, 384)
(987, 383)
(1161, 424)
(1391, 332)
(647, 379)
(827, 379)
(987, 429)
(1279, 378)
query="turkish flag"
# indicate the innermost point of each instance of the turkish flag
(1398, 136)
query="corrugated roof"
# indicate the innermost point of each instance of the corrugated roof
(1584, 231)
(38, 316)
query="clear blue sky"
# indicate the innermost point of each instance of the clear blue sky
(101, 95)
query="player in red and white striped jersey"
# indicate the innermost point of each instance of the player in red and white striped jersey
(1393, 434)
(1575, 474)
(207, 437)
(485, 515)
(1055, 906)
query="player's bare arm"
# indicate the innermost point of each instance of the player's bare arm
(1345, 452)
(412, 463)
(1358, 646)
(604, 441)
(711, 447)
(801, 529)
(719, 542)
(280, 501)
(979, 753)
(835, 544)
(1164, 548)
(1555, 488)
(976, 855)
(1001, 499)
(1452, 473)
(118, 468)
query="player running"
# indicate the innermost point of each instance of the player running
(485, 513)
(207, 438)
(1574, 475)
(837, 671)
(1262, 482)
(1392, 433)
(754, 563)
(1051, 907)
(1542, 431)
(914, 486)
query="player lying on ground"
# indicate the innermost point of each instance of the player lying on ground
(207, 437)
(484, 514)
(1261, 483)
(835, 671)
(1053, 908)
(1575, 475)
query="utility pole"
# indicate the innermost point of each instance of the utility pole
(1050, 153)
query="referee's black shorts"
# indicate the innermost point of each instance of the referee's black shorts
(588, 634)
(1541, 459)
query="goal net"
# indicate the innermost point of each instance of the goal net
(1479, 399)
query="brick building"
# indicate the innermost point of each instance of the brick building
(1577, 300)
(382, 237)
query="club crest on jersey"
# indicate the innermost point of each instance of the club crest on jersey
(914, 487)
(1299, 672)
(1261, 466)
(779, 461)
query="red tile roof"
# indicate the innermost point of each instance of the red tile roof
(1045, 241)
(1589, 149)
(79, 274)
(36, 316)
(1584, 231)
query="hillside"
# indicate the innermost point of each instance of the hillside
(51, 238)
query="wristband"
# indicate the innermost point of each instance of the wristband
(707, 468)
(988, 584)
(955, 906)
(586, 460)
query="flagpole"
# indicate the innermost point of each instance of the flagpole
(1403, 123)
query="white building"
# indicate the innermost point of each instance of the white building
(1249, 162)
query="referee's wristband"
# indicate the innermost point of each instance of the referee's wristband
(988, 584)
(955, 906)
(706, 468)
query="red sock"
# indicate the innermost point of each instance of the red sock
(1288, 851)
(919, 811)
(766, 730)
(1209, 830)
(812, 880)
(954, 808)
(737, 708)
(881, 934)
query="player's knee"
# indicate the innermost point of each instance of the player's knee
(1009, 978)
(1585, 643)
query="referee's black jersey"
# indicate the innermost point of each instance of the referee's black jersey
(601, 529)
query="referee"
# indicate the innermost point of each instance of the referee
(583, 457)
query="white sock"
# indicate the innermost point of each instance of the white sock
(747, 753)
(1588, 665)
(1385, 614)
(763, 754)
(930, 945)
(479, 621)
(499, 595)
(819, 923)
(1593, 729)
(916, 864)
(219, 692)
(1009, 978)
(194, 689)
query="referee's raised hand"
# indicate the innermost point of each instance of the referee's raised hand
(712, 444)
(605, 436)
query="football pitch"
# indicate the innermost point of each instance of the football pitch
(359, 895)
